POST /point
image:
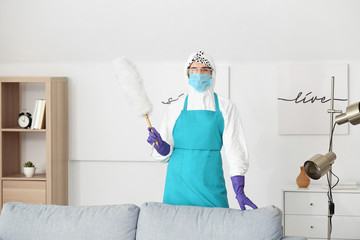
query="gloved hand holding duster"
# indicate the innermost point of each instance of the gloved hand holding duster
(163, 148)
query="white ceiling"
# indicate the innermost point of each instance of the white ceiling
(164, 30)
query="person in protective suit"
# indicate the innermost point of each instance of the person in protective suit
(191, 136)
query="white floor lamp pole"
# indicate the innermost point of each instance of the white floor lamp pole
(332, 111)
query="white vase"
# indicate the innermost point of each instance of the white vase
(29, 171)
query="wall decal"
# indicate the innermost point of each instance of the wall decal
(304, 97)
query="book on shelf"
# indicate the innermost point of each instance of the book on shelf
(41, 123)
(38, 121)
(33, 114)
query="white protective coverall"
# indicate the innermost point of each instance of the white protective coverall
(233, 137)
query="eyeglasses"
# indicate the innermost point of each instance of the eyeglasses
(203, 70)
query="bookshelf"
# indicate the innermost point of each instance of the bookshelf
(48, 146)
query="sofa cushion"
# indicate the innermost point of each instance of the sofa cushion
(158, 221)
(48, 222)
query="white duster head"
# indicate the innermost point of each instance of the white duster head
(132, 84)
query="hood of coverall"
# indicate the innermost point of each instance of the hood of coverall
(201, 57)
(200, 100)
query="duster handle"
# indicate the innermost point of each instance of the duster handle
(149, 123)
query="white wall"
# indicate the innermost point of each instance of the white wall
(78, 39)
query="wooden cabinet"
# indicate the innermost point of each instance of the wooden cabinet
(49, 145)
(24, 191)
(306, 210)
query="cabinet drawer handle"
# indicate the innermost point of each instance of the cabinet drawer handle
(311, 227)
(311, 204)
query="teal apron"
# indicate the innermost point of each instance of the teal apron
(194, 174)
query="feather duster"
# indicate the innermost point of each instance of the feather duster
(131, 82)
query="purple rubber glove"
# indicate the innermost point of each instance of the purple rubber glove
(238, 183)
(163, 148)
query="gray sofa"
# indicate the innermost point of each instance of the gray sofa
(153, 221)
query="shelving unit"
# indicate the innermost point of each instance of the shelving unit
(50, 186)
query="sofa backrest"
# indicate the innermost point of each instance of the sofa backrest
(159, 221)
(53, 222)
(153, 221)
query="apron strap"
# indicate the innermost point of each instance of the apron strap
(185, 103)
(216, 103)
